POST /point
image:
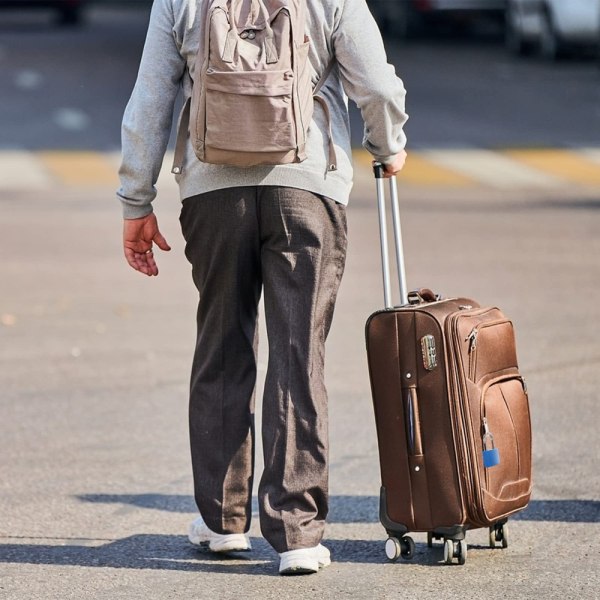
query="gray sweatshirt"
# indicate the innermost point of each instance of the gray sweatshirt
(344, 29)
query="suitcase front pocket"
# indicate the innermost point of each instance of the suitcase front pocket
(491, 349)
(505, 416)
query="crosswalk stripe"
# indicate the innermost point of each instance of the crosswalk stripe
(419, 171)
(491, 168)
(562, 163)
(19, 169)
(592, 154)
(80, 168)
(507, 169)
(166, 179)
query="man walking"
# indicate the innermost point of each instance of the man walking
(275, 229)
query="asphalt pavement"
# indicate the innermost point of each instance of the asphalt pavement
(96, 484)
(95, 479)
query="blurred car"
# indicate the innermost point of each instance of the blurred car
(69, 11)
(552, 26)
(406, 17)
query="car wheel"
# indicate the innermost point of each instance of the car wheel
(513, 33)
(408, 22)
(396, 18)
(550, 44)
(70, 15)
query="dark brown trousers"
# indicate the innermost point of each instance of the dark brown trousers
(291, 244)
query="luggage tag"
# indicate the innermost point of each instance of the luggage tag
(491, 457)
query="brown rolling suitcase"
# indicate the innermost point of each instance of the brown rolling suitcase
(451, 411)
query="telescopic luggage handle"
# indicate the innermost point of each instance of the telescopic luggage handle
(379, 171)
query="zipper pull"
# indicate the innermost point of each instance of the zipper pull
(472, 339)
(486, 429)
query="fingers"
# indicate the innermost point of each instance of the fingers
(150, 264)
(142, 261)
(160, 241)
(396, 165)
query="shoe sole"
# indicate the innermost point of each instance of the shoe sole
(229, 546)
(297, 571)
(305, 567)
(233, 544)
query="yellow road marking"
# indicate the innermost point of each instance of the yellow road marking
(441, 168)
(560, 163)
(80, 168)
(421, 171)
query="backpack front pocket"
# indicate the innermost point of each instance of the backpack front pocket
(250, 111)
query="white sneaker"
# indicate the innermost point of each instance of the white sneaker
(200, 535)
(304, 560)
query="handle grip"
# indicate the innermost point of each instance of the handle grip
(379, 172)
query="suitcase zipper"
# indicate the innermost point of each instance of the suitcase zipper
(464, 429)
(472, 339)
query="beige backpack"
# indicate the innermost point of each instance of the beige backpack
(252, 99)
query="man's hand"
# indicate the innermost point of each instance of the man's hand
(138, 236)
(396, 165)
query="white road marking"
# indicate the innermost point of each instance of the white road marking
(26, 170)
(72, 119)
(592, 154)
(491, 168)
(22, 170)
(166, 179)
(28, 80)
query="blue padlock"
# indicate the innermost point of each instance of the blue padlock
(491, 457)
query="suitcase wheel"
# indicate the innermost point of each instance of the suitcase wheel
(499, 533)
(396, 548)
(455, 549)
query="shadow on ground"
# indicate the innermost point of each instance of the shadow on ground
(362, 509)
(174, 553)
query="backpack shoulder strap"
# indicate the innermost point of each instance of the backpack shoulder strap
(182, 138)
(324, 77)
(332, 158)
(184, 118)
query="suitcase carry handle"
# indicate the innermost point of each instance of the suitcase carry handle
(378, 170)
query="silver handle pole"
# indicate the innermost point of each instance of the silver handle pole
(398, 239)
(385, 260)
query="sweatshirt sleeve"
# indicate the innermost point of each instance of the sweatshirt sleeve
(149, 113)
(370, 81)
